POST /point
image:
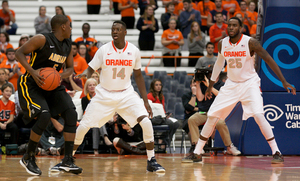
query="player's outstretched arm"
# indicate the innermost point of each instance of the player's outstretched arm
(35, 43)
(139, 79)
(255, 46)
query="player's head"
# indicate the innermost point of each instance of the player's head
(234, 27)
(61, 23)
(118, 30)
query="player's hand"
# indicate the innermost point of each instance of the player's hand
(208, 94)
(289, 88)
(39, 80)
(149, 110)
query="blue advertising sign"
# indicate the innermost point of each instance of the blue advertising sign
(281, 38)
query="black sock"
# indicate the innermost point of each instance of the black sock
(69, 148)
(31, 147)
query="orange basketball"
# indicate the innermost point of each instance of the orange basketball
(52, 78)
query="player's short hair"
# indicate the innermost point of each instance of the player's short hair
(210, 43)
(58, 20)
(236, 18)
(121, 22)
(4, 86)
(76, 44)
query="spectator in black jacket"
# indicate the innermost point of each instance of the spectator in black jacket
(169, 14)
(147, 25)
(144, 3)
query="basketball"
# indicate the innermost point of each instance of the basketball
(52, 78)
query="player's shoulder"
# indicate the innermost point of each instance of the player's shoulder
(132, 47)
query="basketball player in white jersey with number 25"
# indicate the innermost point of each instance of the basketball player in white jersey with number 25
(243, 84)
(115, 93)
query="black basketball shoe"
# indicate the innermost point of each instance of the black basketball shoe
(153, 166)
(68, 165)
(277, 158)
(56, 167)
(28, 162)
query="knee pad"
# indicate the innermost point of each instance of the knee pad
(147, 130)
(70, 117)
(42, 122)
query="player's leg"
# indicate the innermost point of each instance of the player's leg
(221, 126)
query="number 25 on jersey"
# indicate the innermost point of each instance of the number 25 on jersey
(235, 63)
(117, 73)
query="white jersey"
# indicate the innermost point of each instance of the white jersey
(240, 64)
(117, 65)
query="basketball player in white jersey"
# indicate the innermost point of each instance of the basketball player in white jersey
(243, 84)
(115, 93)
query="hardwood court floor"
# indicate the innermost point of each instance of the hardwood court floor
(130, 167)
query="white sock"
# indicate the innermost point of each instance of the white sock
(199, 146)
(273, 146)
(150, 154)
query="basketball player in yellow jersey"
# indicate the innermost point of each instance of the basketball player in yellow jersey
(243, 84)
(118, 59)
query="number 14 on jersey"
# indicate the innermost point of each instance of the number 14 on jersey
(120, 73)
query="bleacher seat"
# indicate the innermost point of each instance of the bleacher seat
(157, 74)
(171, 103)
(179, 111)
(178, 74)
(180, 91)
(182, 79)
(174, 86)
(165, 78)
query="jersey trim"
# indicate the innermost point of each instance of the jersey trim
(238, 41)
(112, 42)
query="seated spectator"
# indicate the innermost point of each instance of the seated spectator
(209, 58)
(89, 42)
(42, 22)
(196, 43)
(52, 139)
(165, 17)
(83, 52)
(156, 96)
(7, 108)
(60, 10)
(144, 3)
(4, 42)
(95, 76)
(171, 39)
(127, 13)
(79, 63)
(8, 17)
(3, 80)
(89, 89)
(148, 26)
(23, 39)
(14, 67)
(245, 28)
(128, 140)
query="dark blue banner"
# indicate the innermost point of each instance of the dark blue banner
(281, 38)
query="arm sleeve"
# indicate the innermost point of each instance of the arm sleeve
(218, 67)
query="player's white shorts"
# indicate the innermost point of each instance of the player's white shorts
(247, 92)
(104, 104)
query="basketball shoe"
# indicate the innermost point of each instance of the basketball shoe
(56, 167)
(28, 162)
(232, 150)
(153, 166)
(192, 158)
(67, 165)
(277, 158)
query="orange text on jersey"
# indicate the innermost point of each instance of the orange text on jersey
(118, 62)
(235, 53)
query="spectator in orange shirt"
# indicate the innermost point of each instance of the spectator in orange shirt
(8, 16)
(2, 57)
(247, 15)
(217, 31)
(83, 52)
(210, 17)
(253, 31)
(171, 39)
(14, 67)
(7, 108)
(251, 9)
(93, 6)
(87, 40)
(60, 10)
(204, 10)
(79, 63)
(127, 13)
(176, 3)
(4, 42)
(231, 6)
